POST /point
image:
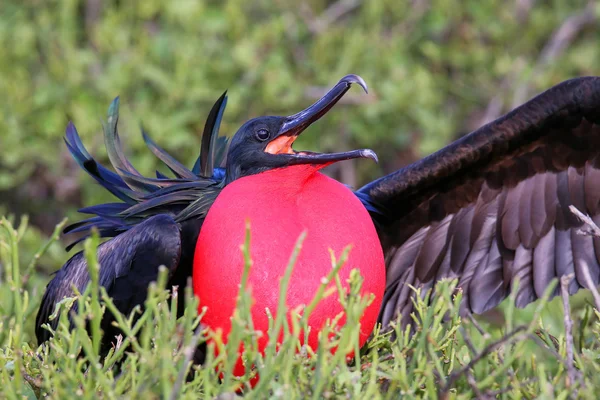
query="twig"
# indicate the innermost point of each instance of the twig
(486, 335)
(382, 359)
(467, 340)
(508, 388)
(522, 9)
(565, 34)
(494, 107)
(334, 12)
(564, 290)
(470, 378)
(473, 384)
(542, 335)
(593, 230)
(486, 351)
(543, 345)
(558, 42)
(35, 382)
(558, 357)
(477, 326)
(188, 354)
(590, 284)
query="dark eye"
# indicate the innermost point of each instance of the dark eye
(262, 134)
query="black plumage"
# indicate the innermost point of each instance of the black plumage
(128, 276)
(157, 222)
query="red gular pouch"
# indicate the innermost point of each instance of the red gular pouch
(280, 204)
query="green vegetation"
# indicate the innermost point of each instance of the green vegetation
(436, 70)
(447, 356)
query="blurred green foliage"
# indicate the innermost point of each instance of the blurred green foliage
(436, 69)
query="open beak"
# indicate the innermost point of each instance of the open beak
(295, 124)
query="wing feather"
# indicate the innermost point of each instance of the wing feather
(493, 207)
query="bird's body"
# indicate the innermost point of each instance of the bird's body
(488, 209)
(280, 204)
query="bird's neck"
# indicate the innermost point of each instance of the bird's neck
(287, 179)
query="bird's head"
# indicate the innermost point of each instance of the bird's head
(265, 143)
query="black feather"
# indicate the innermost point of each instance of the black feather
(209, 137)
(178, 169)
(187, 195)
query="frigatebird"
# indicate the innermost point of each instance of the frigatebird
(489, 209)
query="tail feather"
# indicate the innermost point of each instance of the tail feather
(113, 142)
(160, 175)
(195, 168)
(104, 229)
(181, 197)
(221, 148)
(175, 166)
(100, 223)
(188, 194)
(108, 179)
(106, 209)
(180, 187)
(73, 138)
(209, 137)
(73, 228)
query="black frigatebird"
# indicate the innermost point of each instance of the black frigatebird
(487, 209)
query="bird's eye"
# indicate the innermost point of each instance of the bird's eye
(262, 134)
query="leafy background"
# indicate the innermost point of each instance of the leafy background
(436, 70)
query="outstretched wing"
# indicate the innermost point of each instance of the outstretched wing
(493, 206)
(187, 195)
(128, 263)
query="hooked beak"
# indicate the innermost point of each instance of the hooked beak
(295, 124)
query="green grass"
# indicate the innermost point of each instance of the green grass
(524, 356)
